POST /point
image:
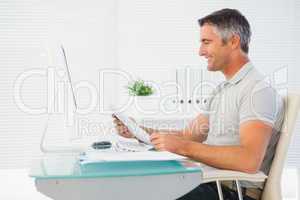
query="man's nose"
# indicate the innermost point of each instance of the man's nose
(201, 51)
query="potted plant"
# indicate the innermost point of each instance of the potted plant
(140, 88)
(142, 93)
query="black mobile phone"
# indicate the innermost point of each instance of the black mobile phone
(102, 145)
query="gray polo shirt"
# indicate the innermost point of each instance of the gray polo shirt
(246, 96)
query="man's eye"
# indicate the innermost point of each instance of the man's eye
(205, 42)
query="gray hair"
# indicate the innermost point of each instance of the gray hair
(230, 22)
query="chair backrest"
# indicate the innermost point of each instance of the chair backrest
(272, 189)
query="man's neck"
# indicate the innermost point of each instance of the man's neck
(234, 66)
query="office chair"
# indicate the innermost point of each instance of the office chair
(272, 189)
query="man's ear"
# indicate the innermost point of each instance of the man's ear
(235, 41)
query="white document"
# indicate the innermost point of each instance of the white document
(94, 157)
(133, 127)
(131, 146)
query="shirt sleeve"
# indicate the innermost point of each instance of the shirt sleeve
(261, 103)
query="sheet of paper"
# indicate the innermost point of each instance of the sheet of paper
(131, 146)
(138, 132)
(92, 157)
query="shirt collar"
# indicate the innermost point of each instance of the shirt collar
(238, 76)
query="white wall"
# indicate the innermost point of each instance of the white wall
(31, 32)
(148, 39)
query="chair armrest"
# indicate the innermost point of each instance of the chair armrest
(211, 174)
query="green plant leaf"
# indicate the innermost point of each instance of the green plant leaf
(139, 88)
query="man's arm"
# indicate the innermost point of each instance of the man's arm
(196, 131)
(246, 157)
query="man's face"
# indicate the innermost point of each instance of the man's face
(213, 48)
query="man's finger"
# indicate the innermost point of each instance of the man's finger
(122, 130)
(159, 147)
(155, 142)
(118, 122)
(154, 136)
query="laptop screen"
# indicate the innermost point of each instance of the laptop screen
(69, 75)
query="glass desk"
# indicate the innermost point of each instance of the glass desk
(63, 177)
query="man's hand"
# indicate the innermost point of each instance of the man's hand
(121, 128)
(168, 142)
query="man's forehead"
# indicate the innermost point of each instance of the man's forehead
(208, 30)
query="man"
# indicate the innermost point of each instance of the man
(238, 128)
